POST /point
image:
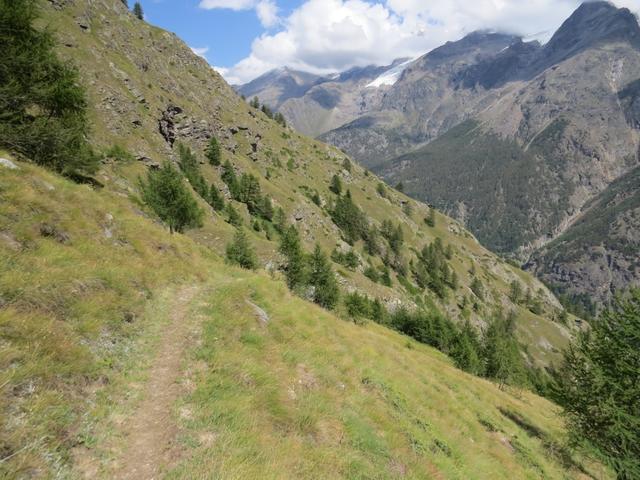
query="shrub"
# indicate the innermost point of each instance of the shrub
(336, 185)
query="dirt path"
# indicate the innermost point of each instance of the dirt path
(151, 431)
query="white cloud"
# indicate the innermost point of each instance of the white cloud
(200, 51)
(324, 36)
(266, 10)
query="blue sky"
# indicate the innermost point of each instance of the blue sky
(226, 33)
(244, 38)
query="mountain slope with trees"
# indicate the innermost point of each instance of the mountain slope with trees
(92, 266)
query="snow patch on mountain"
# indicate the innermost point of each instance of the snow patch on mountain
(391, 76)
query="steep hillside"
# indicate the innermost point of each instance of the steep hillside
(597, 255)
(149, 93)
(108, 321)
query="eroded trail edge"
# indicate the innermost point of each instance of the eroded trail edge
(151, 431)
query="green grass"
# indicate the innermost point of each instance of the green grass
(313, 396)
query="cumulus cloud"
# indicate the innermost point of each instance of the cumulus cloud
(323, 36)
(266, 10)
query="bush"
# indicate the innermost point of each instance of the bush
(119, 154)
(42, 105)
(165, 192)
(336, 185)
(358, 306)
(240, 252)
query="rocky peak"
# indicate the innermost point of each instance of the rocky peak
(476, 43)
(593, 23)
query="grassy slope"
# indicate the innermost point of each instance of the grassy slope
(307, 396)
(162, 68)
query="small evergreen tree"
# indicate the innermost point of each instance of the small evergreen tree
(431, 218)
(216, 200)
(190, 166)
(599, 387)
(213, 153)
(336, 185)
(382, 191)
(322, 278)
(255, 103)
(240, 252)
(165, 192)
(346, 164)
(229, 178)
(400, 187)
(290, 247)
(233, 217)
(502, 352)
(43, 108)
(137, 11)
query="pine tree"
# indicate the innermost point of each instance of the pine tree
(240, 252)
(213, 153)
(137, 11)
(599, 387)
(336, 185)
(467, 350)
(290, 247)
(190, 166)
(502, 353)
(229, 178)
(165, 192)
(42, 105)
(216, 200)
(233, 217)
(322, 278)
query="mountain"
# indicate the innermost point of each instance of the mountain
(512, 138)
(314, 105)
(277, 86)
(120, 340)
(597, 255)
